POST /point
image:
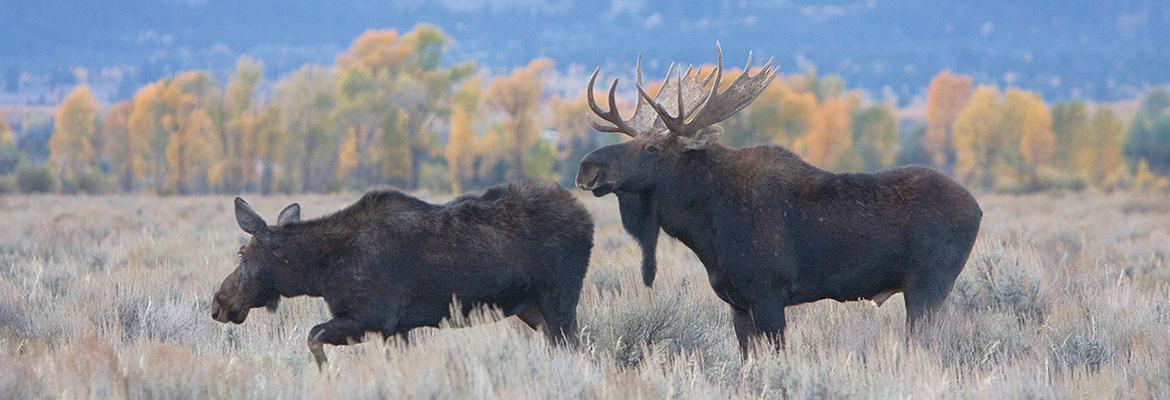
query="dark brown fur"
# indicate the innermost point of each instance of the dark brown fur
(391, 262)
(773, 231)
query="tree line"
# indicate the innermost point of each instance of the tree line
(390, 111)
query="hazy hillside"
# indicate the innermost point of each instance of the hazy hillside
(1086, 49)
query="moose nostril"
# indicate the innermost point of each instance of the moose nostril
(587, 176)
(586, 185)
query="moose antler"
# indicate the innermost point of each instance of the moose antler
(640, 122)
(643, 119)
(715, 106)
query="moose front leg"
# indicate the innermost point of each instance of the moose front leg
(337, 331)
(769, 320)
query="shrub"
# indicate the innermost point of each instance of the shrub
(7, 184)
(1005, 278)
(92, 182)
(37, 179)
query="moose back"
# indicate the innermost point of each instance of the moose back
(391, 262)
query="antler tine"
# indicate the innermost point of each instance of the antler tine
(612, 116)
(658, 108)
(682, 112)
(741, 92)
(767, 65)
(719, 68)
(715, 106)
(669, 71)
(663, 114)
(709, 76)
(589, 93)
(680, 125)
(613, 104)
(638, 68)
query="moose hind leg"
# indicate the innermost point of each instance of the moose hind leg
(939, 266)
(337, 331)
(770, 322)
(925, 299)
(745, 329)
(922, 305)
(560, 315)
(531, 315)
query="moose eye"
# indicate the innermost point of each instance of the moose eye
(651, 149)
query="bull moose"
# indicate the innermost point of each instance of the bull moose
(770, 229)
(392, 262)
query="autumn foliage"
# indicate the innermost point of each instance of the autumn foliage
(392, 110)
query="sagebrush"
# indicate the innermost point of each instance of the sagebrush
(1065, 295)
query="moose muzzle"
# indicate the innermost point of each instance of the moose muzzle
(590, 177)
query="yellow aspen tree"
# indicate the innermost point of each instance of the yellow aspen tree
(875, 136)
(71, 147)
(374, 49)
(1103, 161)
(976, 130)
(796, 114)
(396, 156)
(517, 96)
(829, 135)
(540, 160)
(460, 150)
(119, 151)
(193, 144)
(492, 153)
(946, 96)
(1028, 120)
(758, 122)
(780, 115)
(6, 138)
(565, 115)
(347, 154)
(188, 152)
(9, 151)
(1070, 123)
(146, 131)
(574, 137)
(235, 168)
(359, 113)
(266, 145)
(306, 97)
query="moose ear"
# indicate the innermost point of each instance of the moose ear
(292, 213)
(702, 139)
(248, 219)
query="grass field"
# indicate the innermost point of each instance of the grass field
(1065, 295)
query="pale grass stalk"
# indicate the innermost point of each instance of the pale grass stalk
(1066, 295)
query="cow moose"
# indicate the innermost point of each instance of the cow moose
(391, 262)
(770, 229)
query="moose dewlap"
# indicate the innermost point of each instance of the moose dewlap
(391, 262)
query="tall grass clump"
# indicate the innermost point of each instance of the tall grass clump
(108, 296)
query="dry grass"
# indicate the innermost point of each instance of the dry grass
(108, 297)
